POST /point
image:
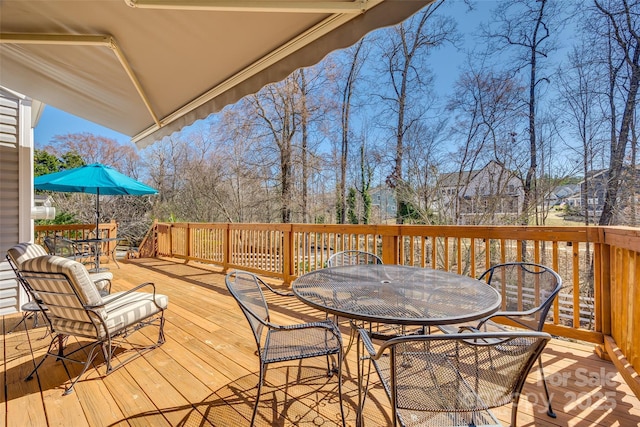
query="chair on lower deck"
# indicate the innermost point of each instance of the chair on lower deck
(281, 343)
(76, 309)
(61, 246)
(528, 291)
(450, 379)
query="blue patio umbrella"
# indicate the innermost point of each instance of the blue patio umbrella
(95, 178)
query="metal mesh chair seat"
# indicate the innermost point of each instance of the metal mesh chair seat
(280, 343)
(452, 379)
(301, 341)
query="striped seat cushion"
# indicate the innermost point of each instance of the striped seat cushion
(123, 310)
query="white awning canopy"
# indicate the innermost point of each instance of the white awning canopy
(147, 68)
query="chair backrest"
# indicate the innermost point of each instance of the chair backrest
(352, 257)
(50, 243)
(18, 254)
(24, 251)
(246, 290)
(464, 372)
(525, 287)
(65, 286)
(61, 246)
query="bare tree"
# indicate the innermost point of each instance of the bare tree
(356, 61)
(528, 28)
(313, 105)
(487, 114)
(621, 22)
(98, 149)
(404, 53)
(166, 161)
(580, 99)
(275, 108)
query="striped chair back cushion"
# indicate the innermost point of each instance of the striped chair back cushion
(65, 287)
(24, 251)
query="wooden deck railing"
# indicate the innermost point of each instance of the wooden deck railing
(598, 265)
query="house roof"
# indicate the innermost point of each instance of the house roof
(453, 179)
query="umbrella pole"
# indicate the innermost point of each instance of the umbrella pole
(98, 243)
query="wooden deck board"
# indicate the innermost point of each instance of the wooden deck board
(206, 372)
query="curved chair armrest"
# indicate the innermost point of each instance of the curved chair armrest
(467, 328)
(125, 293)
(368, 344)
(275, 291)
(512, 315)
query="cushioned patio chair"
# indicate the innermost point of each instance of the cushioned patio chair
(450, 379)
(528, 291)
(32, 308)
(281, 343)
(76, 308)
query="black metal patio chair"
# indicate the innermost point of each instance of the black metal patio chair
(281, 343)
(450, 379)
(353, 257)
(61, 246)
(528, 291)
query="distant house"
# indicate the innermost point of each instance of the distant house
(563, 195)
(481, 196)
(595, 188)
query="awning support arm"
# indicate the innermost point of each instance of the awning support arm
(330, 7)
(83, 40)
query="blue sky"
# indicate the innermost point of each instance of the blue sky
(57, 122)
(446, 63)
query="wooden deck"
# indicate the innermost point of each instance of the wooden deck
(206, 372)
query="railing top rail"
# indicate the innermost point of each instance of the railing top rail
(592, 234)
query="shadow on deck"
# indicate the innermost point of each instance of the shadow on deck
(206, 372)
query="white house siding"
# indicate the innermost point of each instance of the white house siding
(16, 189)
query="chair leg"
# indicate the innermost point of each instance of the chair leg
(25, 316)
(107, 351)
(260, 380)
(47, 354)
(340, 360)
(363, 386)
(546, 391)
(161, 338)
(91, 356)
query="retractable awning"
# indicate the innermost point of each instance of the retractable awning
(147, 68)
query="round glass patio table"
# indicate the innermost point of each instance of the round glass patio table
(397, 294)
